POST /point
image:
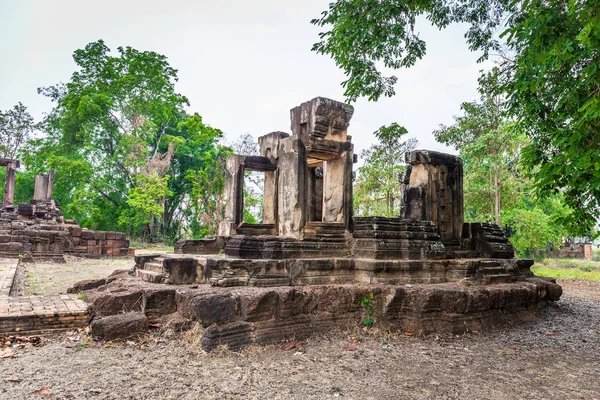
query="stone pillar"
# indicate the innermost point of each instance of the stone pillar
(348, 189)
(432, 189)
(234, 196)
(270, 198)
(334, 181)
(292, 204)
(9, 185)
(40, 190)
(269, 147)
(50, 184)
(315, 194)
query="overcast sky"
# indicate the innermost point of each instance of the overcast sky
(242, 64)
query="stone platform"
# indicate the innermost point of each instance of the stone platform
(223, 270)
(27, 315)
(240, 316)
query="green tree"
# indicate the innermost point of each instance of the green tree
(16, 128)
(377, 190)
(496, 188)
(489, 143)
(548, 70)
(120, 137)
(535, 226)
(254, 181)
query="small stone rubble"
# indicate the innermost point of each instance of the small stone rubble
(307, 265)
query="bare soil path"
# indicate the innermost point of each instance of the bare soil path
(555, 357)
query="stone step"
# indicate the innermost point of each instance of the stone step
(150, 276)
(493, 271)
(154, 266)
(462, 254)
(501, 278)
(265, 280)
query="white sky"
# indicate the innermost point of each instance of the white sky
(242, 64)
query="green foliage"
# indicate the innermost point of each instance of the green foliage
(207, 183)
(553, 84)
(365, 33)
(127, 156)
(490, 147)
(254, 181)
(496, 189)
(549, 72)
(367, 304)
(534, 232)
(377, 190)
(145, 200)
(16, 127)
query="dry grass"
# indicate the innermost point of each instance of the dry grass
(49, 278)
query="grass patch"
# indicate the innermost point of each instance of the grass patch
(568, 268)
(142, 247)
(564, 273)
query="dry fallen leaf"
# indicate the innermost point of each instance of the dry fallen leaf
(349, 348)
(44, 391)
(409, 333)
(291, 345)
(6, 353)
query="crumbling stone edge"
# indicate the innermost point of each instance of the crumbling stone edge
(240, 316)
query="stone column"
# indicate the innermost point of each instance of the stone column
(334, 181)
(292, 204)
(40, 190)
(348, 190)
(50, 191)
(234, 196)
(433, 191)
(9, 185)
(315, 194)
(270, 198)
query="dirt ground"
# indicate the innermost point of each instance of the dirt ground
(555, 357)
(49, 278)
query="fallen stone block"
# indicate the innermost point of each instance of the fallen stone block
(120, 326)
(86, 285)
(104, 304)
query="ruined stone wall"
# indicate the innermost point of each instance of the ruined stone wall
(433, 191)
(39, 231)
(578, 250)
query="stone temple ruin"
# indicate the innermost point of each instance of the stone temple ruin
(306, 266)
(38, 230)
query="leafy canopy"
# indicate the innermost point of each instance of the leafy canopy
(549, 59)
(128, 154)
(16, 127)
(377, 189)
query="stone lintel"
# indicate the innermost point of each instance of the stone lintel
(431, 157)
